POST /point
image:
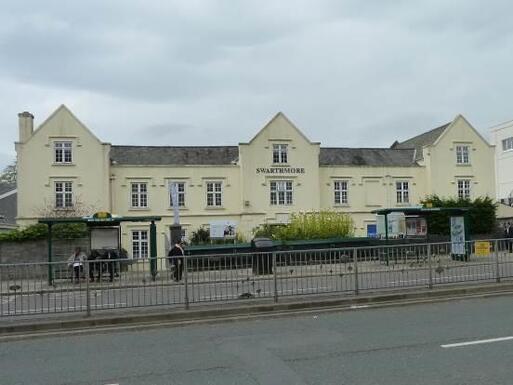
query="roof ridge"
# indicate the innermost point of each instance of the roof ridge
(426, 132)
(135, 145)
(367, 148)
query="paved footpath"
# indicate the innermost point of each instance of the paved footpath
(460, 342)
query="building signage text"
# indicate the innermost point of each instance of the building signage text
(280, 170)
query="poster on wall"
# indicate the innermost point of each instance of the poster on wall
(396, 225)
(457, 235)
(416, 227)
(222, 229)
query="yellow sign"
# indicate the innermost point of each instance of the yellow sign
(102, 215)
(482, 248)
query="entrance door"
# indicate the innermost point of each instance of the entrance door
(371, 230)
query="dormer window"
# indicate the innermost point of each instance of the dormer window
(63, 152)
(279, 153)
(462, 155)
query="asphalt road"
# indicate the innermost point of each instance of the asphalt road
(396, 345)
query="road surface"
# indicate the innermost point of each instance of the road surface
(459, 342)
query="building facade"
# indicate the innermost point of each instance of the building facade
(502, 138)
(63, 166)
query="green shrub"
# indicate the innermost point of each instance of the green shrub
(40, 231)
(313, 225)
(481, 215)
(202, 236)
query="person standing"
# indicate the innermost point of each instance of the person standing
(176, 256)
(508, 233)
(76, 262)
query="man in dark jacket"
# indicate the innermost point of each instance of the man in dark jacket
(176, 258)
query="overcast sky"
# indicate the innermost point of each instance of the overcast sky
(347, 73)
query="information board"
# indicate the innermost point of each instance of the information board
(104, 238)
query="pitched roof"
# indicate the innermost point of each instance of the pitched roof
(170, 155)
(367, 157)
(8, 207)
(225, 155)
(419, 141)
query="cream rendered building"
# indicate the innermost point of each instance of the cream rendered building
(62, 164)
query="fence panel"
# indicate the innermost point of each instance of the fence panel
(122, 283)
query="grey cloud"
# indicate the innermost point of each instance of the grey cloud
(348, 73)
(163, 130)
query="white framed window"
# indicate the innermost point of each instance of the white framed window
(140, 244)
(139, 195)
(214, 194)
(63, 152)
(281, 192)
(63, 195)
(340, 192)
(181, 194)
(462, 155)
(464, 188)
(279, 153)
(507, 144)
(402, 192)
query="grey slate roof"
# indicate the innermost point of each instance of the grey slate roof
(367, 157)
(173, 155)
(225, 155)
(419, 141)
(8, 205)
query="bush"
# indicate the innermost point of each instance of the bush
(202, 236)
(481, 214)
(40, 231)
(313, 225)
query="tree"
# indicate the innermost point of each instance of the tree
(9, 173)
(79, 209)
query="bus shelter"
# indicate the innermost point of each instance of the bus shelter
(421, 212)
(106, 221)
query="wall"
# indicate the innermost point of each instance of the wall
(34, 252)
(370, 188)
(503, 160)
(443, 170)
(37, 171)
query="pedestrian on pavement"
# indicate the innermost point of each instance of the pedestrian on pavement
(176, 259)
(76, 262)
(508, 233)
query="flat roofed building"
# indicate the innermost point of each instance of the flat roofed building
(63, 166)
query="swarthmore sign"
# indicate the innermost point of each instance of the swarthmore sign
(280, 170)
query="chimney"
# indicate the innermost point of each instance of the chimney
(26, 124)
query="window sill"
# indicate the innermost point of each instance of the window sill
(403, 204)
(63, 164)
(341, 205)
(139, 209)
(463, 164)
(180, 208)
(214, 208)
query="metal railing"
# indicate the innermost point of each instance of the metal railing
(122, 283)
